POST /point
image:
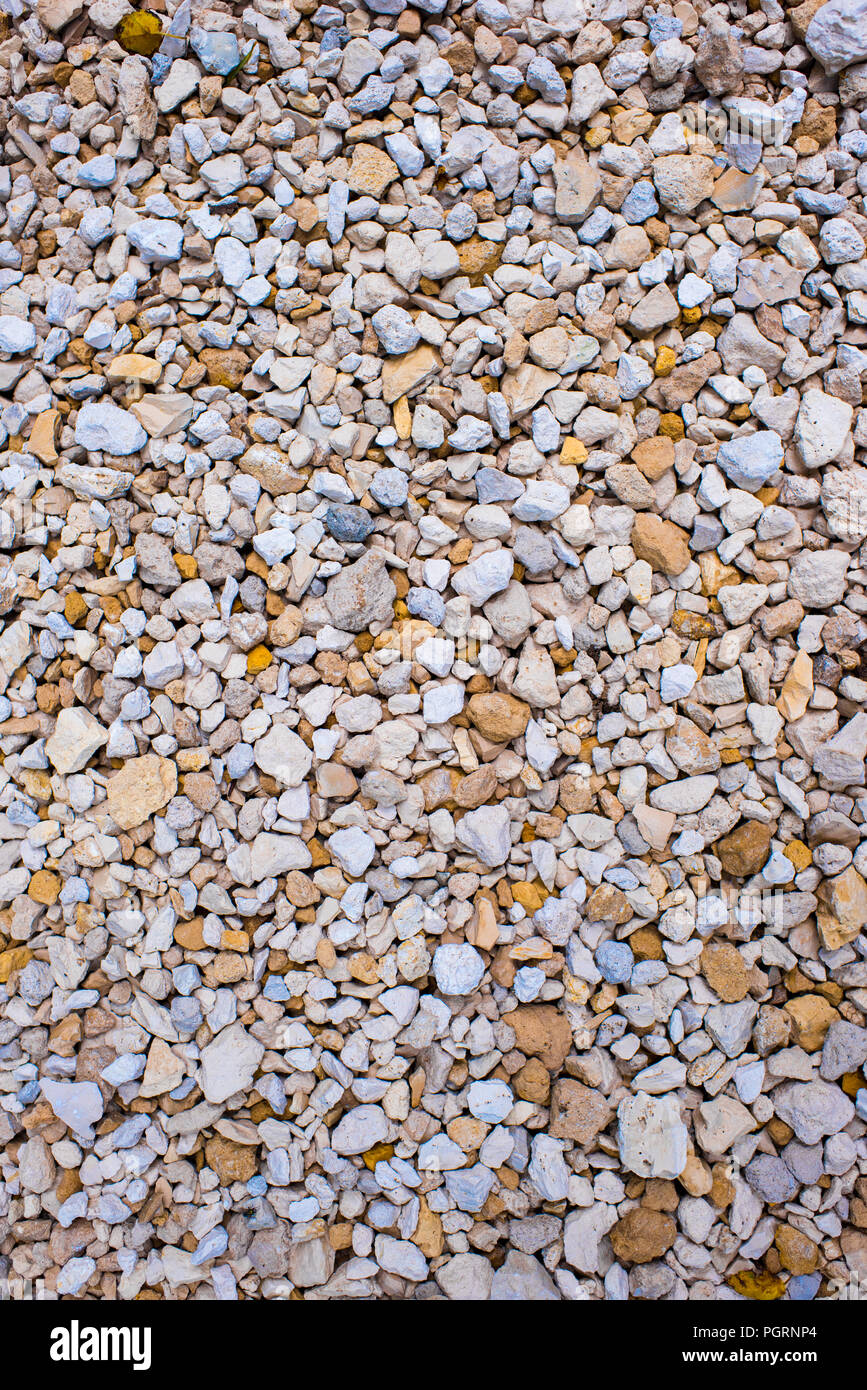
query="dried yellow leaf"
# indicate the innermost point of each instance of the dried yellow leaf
(140, 32)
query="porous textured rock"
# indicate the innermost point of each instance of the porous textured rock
(142, 787)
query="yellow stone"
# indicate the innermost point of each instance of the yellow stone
(798, 854)
(666, 361)
(798, 1253)
(811, 1017)
(43, 436)
(74, 607)
(37, 783)
(646, 944)
(528, 895)
(693, 626)
(257, 660)
(671, 425)
(595, 138)
(691, 315)
(842, 915)
(134, 366)
(188, 566)
(478, 257)
(534, 948)
(12, 960)
(714, 573)
(402, 418)
(762, 1286)
(234, 940)
(700, 659)
(69, 1182)
(573, 451)
(380, 1153)
(44, 887)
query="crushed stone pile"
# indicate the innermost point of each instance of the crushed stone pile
(433, 683)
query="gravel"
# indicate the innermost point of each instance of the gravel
(433, 606)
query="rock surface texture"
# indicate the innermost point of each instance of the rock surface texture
(433, 649)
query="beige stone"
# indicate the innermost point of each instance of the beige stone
(163, 415)
(498, 716)
(662, 544)
(811, 1017)
(550, 348)
(285, 628)
(428, 1234)
(43, 436)
(133, 366)
(845, 912)
(683, 181)
(526, 386)
(643, 1235)
(141, 788)
(797, 688)
(745, 850)
(401, 375)
(723, 967)
(577, 1111)
(542, 1031)
(654, 456)
(371, 171)
(655, 825)
(577, 185)
(163, 1072)
(270, 467)
(56, 14)
(736, 192)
